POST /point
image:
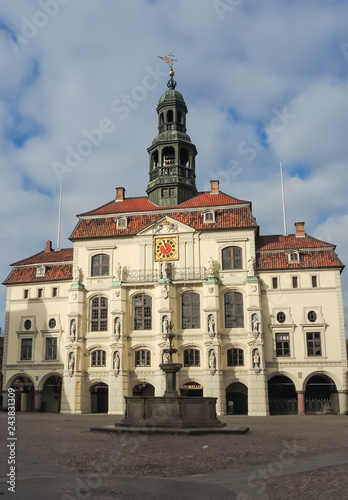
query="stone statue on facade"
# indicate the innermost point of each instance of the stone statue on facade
(165, 324)
(116, 361)
(71, 364)
(212, 361)
(211, 324)
(251, 268)
(76, 274)
(211, 266)
(255, 324)
(117, 327)
(73, 330)
(256, 359)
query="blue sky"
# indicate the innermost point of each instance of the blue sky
(263, 82)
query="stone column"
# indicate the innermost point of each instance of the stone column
(301, 402)
(342, 398)
(38, 400)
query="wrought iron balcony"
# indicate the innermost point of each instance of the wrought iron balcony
(174, 274)
(188, 273)
(172, 170)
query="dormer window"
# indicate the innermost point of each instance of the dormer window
(121, 223)
(209, 216)
(40, 271)
(294, 256)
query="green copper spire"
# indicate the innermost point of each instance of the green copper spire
(172, 154)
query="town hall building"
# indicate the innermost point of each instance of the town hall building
(258, 319)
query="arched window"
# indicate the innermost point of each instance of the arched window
(191, 357)
(98, 358)
(191, 310)
(170, 116)
(142, 312)
(99, 314)
(235, 357)
(142, 357)
(100, 265)
(232, 258)
(233, 310)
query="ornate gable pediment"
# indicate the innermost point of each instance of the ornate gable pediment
(166, 226)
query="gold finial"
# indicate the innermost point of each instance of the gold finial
(169, 59)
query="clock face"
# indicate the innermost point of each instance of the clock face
(166, 248)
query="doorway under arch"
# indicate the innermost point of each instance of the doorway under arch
(144, 389)
(51, 393)
(321, 395)
(282, 396)
(100, 398)
(192, 389)
(25, 394)
(237, 399)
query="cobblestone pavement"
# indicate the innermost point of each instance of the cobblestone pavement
(276, 441)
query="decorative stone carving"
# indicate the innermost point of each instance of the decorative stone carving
(164, 291)
(251, 267)
(166, 227)
(212, 361)
(116, 362)
(73, 330)
(117, 327)
(165, 324)
(166, 358)
(256, 360)
(211, 325)
(76, 274)
(255, 324)
(71, 364)
(164, 269)
(211, 266)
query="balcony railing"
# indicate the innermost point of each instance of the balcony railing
(174, 274)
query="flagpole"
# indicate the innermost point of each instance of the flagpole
(283, 198)
(59, 214)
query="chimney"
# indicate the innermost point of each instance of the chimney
(214, 187)
(120, 194)
(300, 232)
(48, 246)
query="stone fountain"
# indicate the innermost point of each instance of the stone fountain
(171, 410)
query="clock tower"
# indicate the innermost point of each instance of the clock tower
(172, 154)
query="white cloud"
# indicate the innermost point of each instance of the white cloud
(232, 73)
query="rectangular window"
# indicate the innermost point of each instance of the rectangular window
(142, 358)
(274, 283)
(282, 344)
(39, 293)
(51, 348)
(98, 358)
(294, 280)
(313, 344)
(26, 294)
(54, 292)
(191, 357)
(314, 281)
(26, 349)
(235, 357)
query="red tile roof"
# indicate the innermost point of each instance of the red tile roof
(238, 217)
(63, 255)
(272, 253)
(290, 242)
(58, 267)
(311, 259)
(55, 272)
(143, 204)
